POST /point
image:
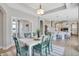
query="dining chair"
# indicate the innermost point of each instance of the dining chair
(58, 36)
(34, 33)
(50, 43)
(27, 35)
(43, 46)
(67, 36)
(22, 51)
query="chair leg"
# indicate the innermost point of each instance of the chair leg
(49, 49)
(33, 52)
(46, 51)
(40, 52)
(16, 54)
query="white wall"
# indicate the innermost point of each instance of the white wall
(1, 28)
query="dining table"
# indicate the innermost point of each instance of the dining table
(30, 42)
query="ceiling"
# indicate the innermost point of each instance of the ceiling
(45, 6)
(66, 14)
(52, 12)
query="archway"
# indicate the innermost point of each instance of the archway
(2, 26)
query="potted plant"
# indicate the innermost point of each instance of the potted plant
(49, 33)
(38, 32)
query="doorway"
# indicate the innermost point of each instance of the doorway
(19, 27)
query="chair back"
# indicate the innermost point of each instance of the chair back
(27, 35)
(45, 41)
(66, 36)
(51, 37)
(58, 36)
(34, 34)
(17, 45)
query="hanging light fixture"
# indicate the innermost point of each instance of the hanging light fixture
(40, 11)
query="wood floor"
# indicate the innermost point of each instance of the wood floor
(71, 47)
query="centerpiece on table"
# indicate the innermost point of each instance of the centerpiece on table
(38, 33)
(36, 37)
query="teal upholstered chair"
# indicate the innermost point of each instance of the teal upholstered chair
(67, 36)
(27, 35)
(22, 51)
(43, 46)
(51, 43)
(34, 33)
(58, 36)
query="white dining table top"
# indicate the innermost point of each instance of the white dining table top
(30, 41)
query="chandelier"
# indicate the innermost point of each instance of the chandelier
(40, 11)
